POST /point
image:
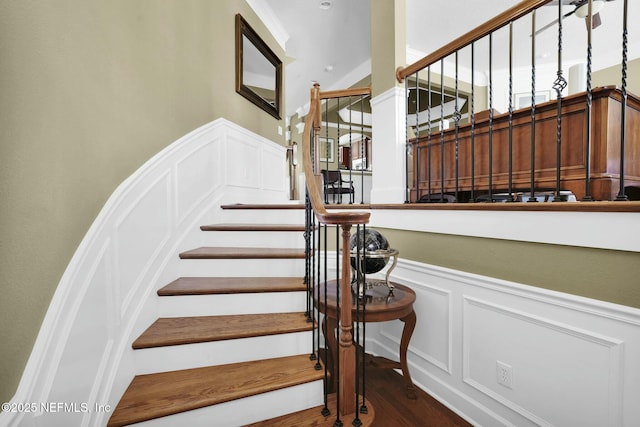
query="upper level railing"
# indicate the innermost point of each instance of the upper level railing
(582, 146)
(344, 373)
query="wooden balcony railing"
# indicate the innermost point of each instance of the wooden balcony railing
(584, 145)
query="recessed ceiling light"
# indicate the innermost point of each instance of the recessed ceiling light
(325, 5)
(328, 68)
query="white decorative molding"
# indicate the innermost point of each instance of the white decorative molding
(530, 339)
(561, 228)
(388, 139)
(571, 356)
(106, 296)
(433, 306)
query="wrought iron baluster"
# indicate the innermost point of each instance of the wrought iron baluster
(532, 196)
(429, 135)
(473, 123)
(336, 362)
(416, 148)
(559, 85)
(356, 321)
(490, 117)
(510, 177)
(326, 136)
(407, 188)
(456, 119)
(623, 113)
(362, 148)
(325, 411)
(587, 179)
(442, 130)
(307, 243)
(363, 407)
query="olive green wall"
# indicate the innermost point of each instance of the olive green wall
(90, 91)
(600, 274)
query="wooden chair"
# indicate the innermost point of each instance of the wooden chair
(334, 184)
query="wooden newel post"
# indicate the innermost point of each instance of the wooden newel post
(346, 349)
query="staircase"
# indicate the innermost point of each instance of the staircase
(232, 344)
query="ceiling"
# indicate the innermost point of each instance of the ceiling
(332, 46)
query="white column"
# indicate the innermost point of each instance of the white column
(388, 139)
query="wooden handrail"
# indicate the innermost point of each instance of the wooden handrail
(499, 21)
(313, 121)
(356, 91)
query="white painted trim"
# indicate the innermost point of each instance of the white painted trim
(271, 21)
(190, 187)
(613, 328)
(388, 139)
(582, 229)
(597, 326)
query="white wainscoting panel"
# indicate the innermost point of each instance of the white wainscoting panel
(556, 367)
(574, 361)
(149, 219)
(82, 356)
(194, 178)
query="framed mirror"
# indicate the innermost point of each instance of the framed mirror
(258, 69)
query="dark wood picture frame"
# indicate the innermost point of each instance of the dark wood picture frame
(244, 32)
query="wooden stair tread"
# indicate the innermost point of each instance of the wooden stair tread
(208, 252)
(252, 227)
(168, 331)
(313, 417)
(231, 285)
(156, 395)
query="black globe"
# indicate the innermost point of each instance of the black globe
(369, 241)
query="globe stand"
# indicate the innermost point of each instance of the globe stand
(358, 278)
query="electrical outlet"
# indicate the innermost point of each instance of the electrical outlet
(505, 374)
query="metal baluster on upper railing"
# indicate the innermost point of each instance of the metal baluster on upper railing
(587, 178)
(429, 134)
(532, 196)
(490, 117)
(407, 147)
(416, 160)
(456, 119)
(510, 177)
(472, 117)
(559, 85)
(623, 114)
(442, 130)
(326, 137)
(363, 145)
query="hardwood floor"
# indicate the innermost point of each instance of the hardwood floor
(386, 392)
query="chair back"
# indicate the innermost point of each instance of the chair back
(330, 177)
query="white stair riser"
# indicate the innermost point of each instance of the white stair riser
(263, 216)
(223, 304)
(256, 239)
(188, 356)
(241, 267)
(248, 410)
